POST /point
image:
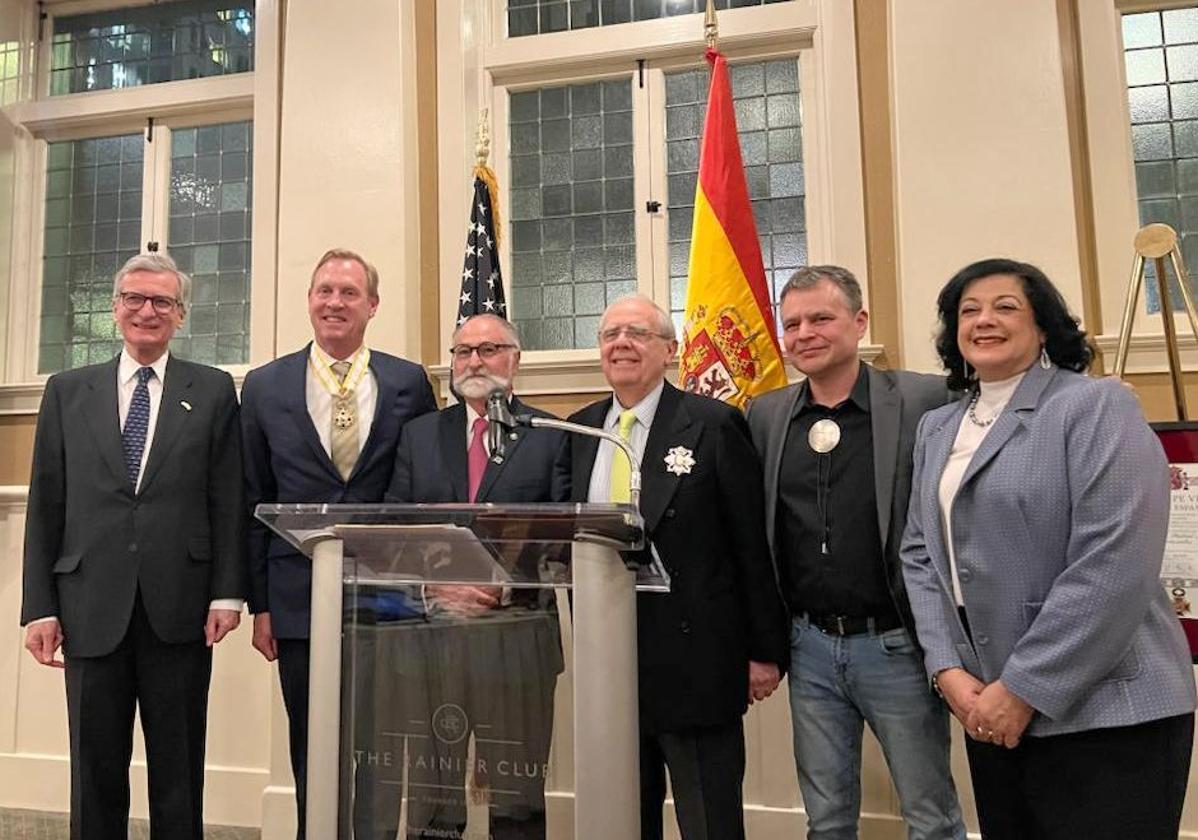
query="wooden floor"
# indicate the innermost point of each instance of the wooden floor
(43, 825)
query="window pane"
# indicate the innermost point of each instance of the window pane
(532, 17)
(209, 237)
(144, 45)
(1161, 57)
(93, 224)
(766, 96)
(573, 249)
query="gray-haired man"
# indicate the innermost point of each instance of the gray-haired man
(134, 555)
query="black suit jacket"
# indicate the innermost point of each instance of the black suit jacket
(724, 606)
(91, 543)
(897, 401)
(430, 466)
(285, 462)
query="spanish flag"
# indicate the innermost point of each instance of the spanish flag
(729, 342)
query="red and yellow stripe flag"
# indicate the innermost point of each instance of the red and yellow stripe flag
(729, 342)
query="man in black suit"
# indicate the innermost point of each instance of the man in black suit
(134, 556)
(510, 642)
(717, 641)
(320, 425)
(836, 506)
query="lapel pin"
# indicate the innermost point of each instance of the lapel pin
(512, 436)
(679, 460)
(186, 405)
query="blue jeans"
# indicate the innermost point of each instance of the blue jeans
(837, 683)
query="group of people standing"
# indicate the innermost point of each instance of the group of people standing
(904, 548)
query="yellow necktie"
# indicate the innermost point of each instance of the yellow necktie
(621, 470)
(343, 436)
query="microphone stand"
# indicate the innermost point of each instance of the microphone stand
(500, 418)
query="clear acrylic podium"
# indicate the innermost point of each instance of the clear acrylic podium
(435, 650)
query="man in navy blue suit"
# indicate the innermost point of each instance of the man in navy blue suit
(319, 425)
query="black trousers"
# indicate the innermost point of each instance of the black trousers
(707, 769)
(169, 684)
(293, 679)
(1101, 784)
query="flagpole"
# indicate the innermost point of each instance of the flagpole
(711, 28)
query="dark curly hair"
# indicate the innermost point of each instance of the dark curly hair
(1064, 341)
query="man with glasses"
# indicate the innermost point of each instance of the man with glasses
(320, 425)
(717, 641)
(134, 555)
(508, 634)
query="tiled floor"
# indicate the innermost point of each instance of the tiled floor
(42, 825)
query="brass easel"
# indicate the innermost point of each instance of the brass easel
(1155, 242)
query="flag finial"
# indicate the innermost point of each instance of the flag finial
(711, 29)
(482, 148)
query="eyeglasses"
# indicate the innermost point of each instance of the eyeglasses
(162, 305)
(486, 350)
(637, 335)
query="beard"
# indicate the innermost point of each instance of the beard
(478, 386)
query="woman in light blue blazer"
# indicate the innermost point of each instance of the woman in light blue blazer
(1032, 557)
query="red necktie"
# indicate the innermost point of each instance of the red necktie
(476, 457)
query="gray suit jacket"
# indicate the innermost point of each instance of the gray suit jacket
(1059, 530)
(897, 400)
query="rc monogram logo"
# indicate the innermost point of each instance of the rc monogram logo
(450, 723)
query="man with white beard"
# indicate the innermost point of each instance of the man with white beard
(505, 637)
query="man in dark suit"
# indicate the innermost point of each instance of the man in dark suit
(717, 640)
(320, 425)
(837, 452)
(511, 641)
(134, 556)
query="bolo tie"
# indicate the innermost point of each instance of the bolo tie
(823, 437)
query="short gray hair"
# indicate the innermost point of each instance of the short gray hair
(665, 324)
(159, 264)
(809, 276)
(507, 326)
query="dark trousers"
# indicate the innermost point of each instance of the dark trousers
(169, 684)
(707, 769)
(1119, 783)
(293, 678)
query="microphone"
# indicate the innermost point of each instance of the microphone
(499, 423)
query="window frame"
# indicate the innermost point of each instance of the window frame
(478, 65)
(251, 95)
(1112, 177)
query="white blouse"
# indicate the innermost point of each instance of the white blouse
(992, 400)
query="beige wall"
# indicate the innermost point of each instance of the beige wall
(967, 152)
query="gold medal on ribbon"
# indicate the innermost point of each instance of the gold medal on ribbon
(343, 416)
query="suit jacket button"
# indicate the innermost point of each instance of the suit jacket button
(982, 640)
(132, 548)
(685, 626)
(669, 514)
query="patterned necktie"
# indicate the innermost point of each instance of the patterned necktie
(621, 470)
(343, 436)
(137, 424)
(476, 456)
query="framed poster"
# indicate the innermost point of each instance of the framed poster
(1179, 571)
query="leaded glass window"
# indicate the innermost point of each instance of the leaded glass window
(144, 45)
(93, 224)
(1161, 61)
(766, 98)
(532, 17)
(573, 248)
(209, 238)
(10, 71)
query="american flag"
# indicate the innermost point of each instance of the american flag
(482, 285)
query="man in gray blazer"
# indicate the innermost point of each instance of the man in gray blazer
(135, 556)
(837, 455)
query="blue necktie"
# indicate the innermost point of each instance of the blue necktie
(137, 423)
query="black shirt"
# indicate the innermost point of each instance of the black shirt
(830, 548)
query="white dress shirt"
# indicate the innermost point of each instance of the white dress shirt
(645, 410)
(320, 401)
(992, 400)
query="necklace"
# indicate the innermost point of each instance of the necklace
(972, 412)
